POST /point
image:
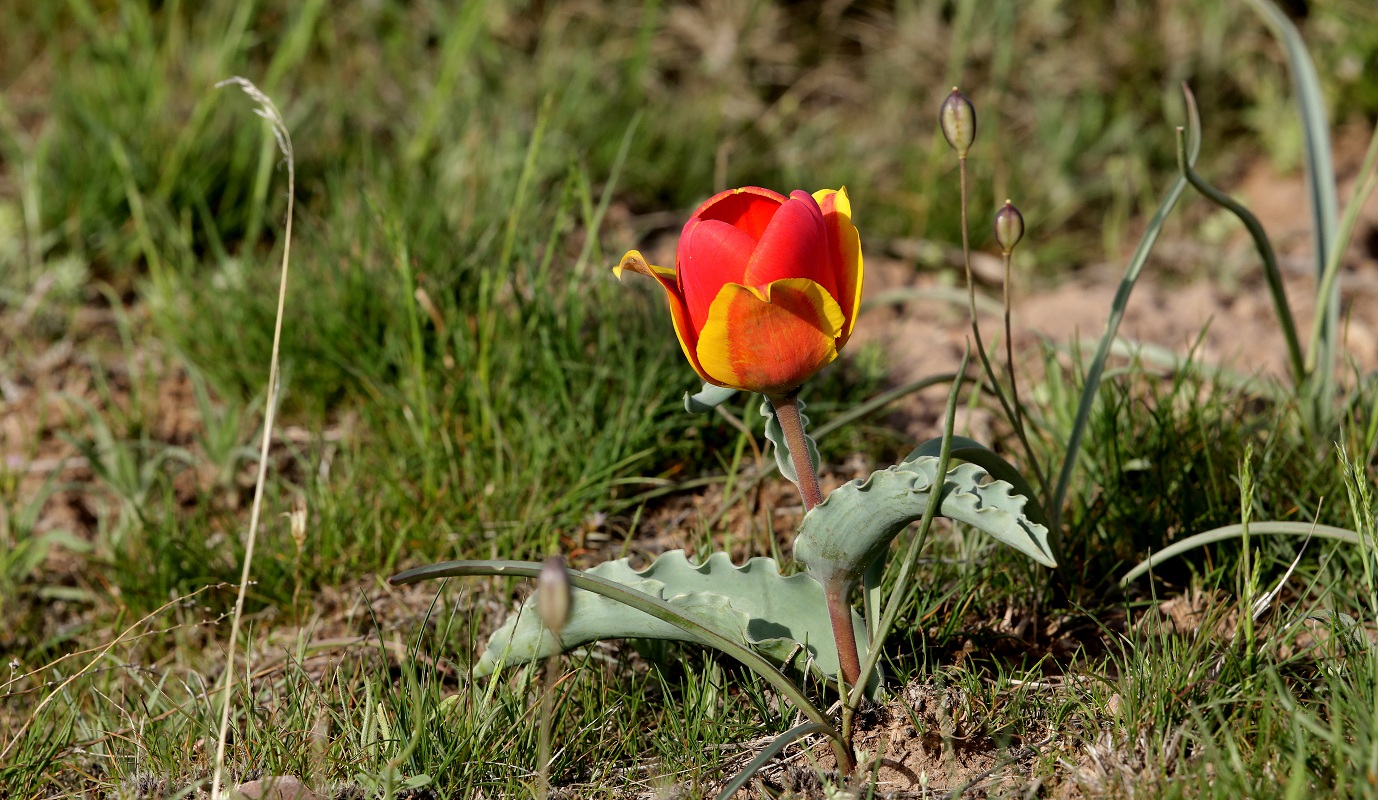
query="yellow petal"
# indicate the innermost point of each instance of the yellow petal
(845, 244)
(769, 340)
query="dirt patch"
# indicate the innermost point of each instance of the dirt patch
(920, 743)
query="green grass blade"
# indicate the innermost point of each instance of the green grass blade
(911, 556)
(1112, 325)
(1363, 187)
(773, 749)
(1235, 531)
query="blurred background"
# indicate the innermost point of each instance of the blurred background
(463, 375)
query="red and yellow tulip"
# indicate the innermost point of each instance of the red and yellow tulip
(765, 289)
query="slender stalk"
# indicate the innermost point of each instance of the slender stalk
(787, 412)
(268, 111)
(1010, 413)
(547, 712)
(1264, 247)
(1009, 349)
(903, 582)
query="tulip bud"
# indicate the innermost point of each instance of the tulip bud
(553, 594)
(958, 119)
(1009, 227)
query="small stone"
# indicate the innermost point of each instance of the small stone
(276, 787)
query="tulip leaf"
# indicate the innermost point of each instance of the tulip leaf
(970, 450)
(707, 398)
(853, 528)
(782, 618)
(776, 435)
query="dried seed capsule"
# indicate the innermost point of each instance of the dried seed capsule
(958, 120)
(553, 594)
(1009, 227)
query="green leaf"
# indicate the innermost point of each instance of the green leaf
(856, 524)
(707, 398)
(651, 605)
(972, 451)
(771, 751)
(751, 604)
(776, 435)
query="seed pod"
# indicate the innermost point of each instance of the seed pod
(553, 594)
(1009, 227)
(958, 120)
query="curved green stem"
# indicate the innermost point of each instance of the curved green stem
(911, 558)
(1265, 252)
(1096, 370)
(773, 749)
(1235, 531)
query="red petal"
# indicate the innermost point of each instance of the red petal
(711, 255)
(748, 209)
(795, 245)
(688, 337)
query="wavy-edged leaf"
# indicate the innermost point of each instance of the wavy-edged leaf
(855, 525)
(655, 607)
(972, 451)
(752, 604)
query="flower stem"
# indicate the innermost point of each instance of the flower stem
(839, 610)
(1009, 356)
(1015, 419)
(547, 713)
(787, 412)
(840, 615)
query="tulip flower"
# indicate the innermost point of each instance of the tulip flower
(765, 288)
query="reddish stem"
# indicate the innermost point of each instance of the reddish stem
(787, 412)
(839, 610)
(840, 614)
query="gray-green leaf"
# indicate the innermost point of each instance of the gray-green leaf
(707, 398)
(855, 525)
(751, 604)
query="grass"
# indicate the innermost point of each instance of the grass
(463, 379)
